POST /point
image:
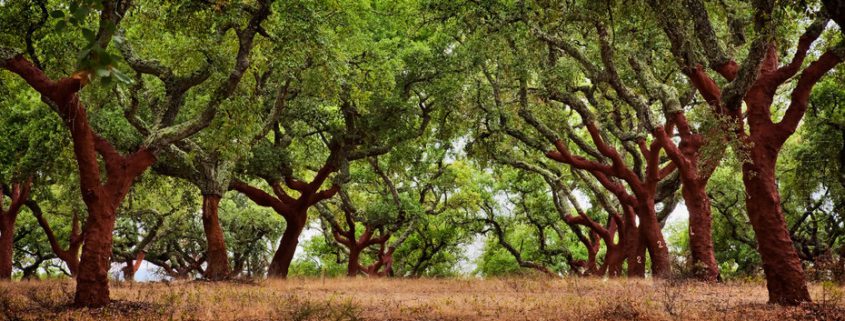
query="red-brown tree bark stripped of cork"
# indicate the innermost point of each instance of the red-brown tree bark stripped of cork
(19, 194)
(70, 255)
(103, 198)
(785, 278)
(293, 210)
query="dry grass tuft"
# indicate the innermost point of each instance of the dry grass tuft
(419, 299)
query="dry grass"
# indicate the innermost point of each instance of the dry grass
(399, 299)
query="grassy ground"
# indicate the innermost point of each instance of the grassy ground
(399, 299)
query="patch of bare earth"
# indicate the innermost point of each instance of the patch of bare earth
(419, 299)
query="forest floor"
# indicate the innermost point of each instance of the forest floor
(419, 299)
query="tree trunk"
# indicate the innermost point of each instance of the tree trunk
(636, 258)
(92, 282)
(72, 261)
(129, 271)
(591, 267)
(631, 242)
(694, 178)
(387, 261)
(218, 260)
(613, 259)
(6, 242)
(784, 275)
(704, 264)
(652, 237)
(102, 199)
(19, 193)
(29, 272)
(287, 247)
(354, 257)
(132, 266)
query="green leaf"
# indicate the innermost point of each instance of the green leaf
(61, 25)
(83, 53)
(105, 58)
(80, 13)
(57, 14)
(88, 34)
(109, 26)
(103, 72)
(106, 80)
(120, 76)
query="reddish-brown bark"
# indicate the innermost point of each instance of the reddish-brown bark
(356, 245)
(694, 178)
(784, 274)
(353, 266)
(18, 193)
(6, 245)
(641, 191)
(836, 10)
(383, 263)
(641, 198)
(217, 260)
(132, 266)
(614, 258)
(632, 246)
(70, 255)
(702, 254)
(350, 239)
(92, 280)
(383, 266)
(102, 199)
(283, 257)
(613, 261)
(762, 144)
(293, 210)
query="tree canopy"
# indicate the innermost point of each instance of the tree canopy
(260, 138)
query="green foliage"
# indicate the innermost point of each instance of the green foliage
(321, 259)
(496, 262)
(365, 76)
(33, 139)
(250, 233)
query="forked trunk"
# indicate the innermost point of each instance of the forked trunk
(18, 194)
(784, 275)
(632, 245)
(704, 264)
(287, 247)
(694, 177)
(591, 267)
(217, 257)
(92, 280)
(72, 261)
